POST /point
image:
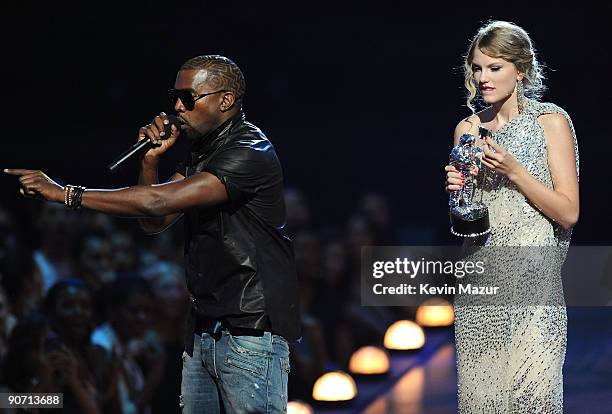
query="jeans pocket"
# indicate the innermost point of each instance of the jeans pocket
(250, 345)
(247, 356)
(251, 365)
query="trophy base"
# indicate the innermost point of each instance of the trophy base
(472, 227)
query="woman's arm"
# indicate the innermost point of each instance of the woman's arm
(561, 203)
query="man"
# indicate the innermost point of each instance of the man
(239, 262)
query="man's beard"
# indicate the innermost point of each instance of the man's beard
(192, 135)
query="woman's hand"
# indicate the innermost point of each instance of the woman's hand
(65, 363)
(455, 179)
(71, 367)
(496, 158)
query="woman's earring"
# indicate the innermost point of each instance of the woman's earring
(520, 95)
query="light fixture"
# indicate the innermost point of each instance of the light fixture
(435, 312)
(334, 386)
(404, 335)
(369, 360)
(299, 407)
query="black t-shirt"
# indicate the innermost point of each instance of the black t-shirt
(239, 261)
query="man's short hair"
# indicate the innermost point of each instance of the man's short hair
(224, 73)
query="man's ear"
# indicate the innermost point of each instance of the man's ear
(227, 101)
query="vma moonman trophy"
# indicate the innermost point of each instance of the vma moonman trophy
(468, 218)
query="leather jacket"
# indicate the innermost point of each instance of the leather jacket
(239, 261)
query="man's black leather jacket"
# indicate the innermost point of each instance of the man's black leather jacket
(239, 261)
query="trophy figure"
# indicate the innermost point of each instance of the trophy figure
(468, 218)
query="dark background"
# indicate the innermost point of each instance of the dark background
(353, 99)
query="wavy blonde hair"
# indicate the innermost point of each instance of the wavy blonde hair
(510, 42)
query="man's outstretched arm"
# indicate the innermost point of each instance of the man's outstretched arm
(202, 189)
(156, 225)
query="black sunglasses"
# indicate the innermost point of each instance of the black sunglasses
(188, 99)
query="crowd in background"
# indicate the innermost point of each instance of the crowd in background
(93, 308)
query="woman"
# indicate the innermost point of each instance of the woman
(510, 357)
(85, 372)
(26, 367)
(141, 358)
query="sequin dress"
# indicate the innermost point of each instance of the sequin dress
(510, 357)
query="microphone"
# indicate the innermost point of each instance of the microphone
(144, 144)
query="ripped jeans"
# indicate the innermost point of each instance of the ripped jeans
(235, 374)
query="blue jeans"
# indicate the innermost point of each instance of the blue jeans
(242, 374)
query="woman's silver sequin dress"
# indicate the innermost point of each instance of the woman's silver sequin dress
(510, 357)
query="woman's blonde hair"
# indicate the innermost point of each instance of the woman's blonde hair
(510, 42)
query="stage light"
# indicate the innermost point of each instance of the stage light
(369, 360)
(334, 386)
(404, 335)
(435, 312)
(299, 407)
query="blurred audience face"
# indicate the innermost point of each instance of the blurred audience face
(170, 289)
(124, 257)
(58, 228)
(26, 358)
(376, 208)
(334, 262)
(298, 213)
(98, 223)
(359, 233)
(133, 317)
(307, 254)
(72, 311)
(97, 259)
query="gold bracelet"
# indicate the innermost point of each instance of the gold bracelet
(67, 191)
(70, 196)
